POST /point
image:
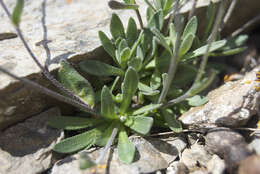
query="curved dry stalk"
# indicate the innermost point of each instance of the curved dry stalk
(44, 71)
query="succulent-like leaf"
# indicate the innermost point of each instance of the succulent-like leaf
(116, 27)
(131, 32)
(139, 53)
(72, 80)
(230, 52)
(17, 13)
(99, 68)
(77, 142)
(149, 13)
(156, 21)
(185, 75)
(147, 108)
(124, 57)
(107, 104)
(107, 45)
(136, 63)
(167, 6)
(115, 5)
(129, 88)
(191, 27)
(197, 100)
(235, 42)
(161, 39)
(72, 123)
(171, 121)
(155, 81)
(141, 124)
(147, 40)
(202, 50)
(126, 149)
(122, 45)
(146, 90)
(186, 44)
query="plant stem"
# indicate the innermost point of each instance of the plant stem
(139, 18)
(48, 92)
(108, 145)
(212, 38)
(44, 71)
(114, 84)
(229, 13)
(174, 60)
(191, 13)
(204, 59)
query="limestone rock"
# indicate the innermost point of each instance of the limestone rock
(152, 155)
(232, 104)
(26, 147)
(229, 145)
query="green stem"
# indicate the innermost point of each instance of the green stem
(174, 60)
(139, 18)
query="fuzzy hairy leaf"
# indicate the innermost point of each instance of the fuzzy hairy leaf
(116, 27)
(171, 121)
(156, 21)
(129, 88)
(229, 52)
(155, 81)
(107, 104)
(131, 32)
(190, 28)
(99, 68)
(72, 123)
(202, 50)
(107, 45)
(126, 149)
(78, 142)
(141, 124)
(124, 57)
(161, 39)
(136, 63)
(186, 44)
(147, 108)
(115, 5)
(146, 90)
(210, 16)
(80, 86)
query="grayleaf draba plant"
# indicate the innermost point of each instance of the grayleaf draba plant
(152, 67)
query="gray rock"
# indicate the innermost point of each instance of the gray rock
(177, 167)
(232, 104)
(152, 155)
(216, 165)
(196, 158)
(26, 147)
(229, 145)
(255, 144)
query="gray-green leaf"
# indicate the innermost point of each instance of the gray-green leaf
(141, 124)
(72, 80)
(131, 32)
(147, 108)
(72, 123)
(116, 27)
(129, 88)
(202, 50)
(107, 104)
(77, 142)
(191, 27)
(107, 44)
(186, 44)
(126, 149)
(171, 121)
(99, 68)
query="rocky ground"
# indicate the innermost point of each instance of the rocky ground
(219, 137)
